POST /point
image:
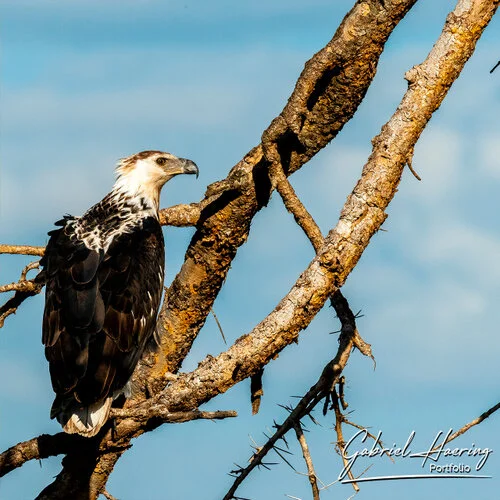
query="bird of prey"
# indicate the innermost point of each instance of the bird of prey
(104, 279)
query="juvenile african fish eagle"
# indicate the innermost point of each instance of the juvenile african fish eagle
(104, 279)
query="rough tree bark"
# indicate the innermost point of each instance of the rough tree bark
(326, 96)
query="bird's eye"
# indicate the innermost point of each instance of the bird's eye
(161, 160)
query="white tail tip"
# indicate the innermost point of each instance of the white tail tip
(89, 420)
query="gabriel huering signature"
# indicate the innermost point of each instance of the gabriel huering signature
(436, 451)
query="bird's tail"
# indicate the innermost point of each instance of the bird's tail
(76, 419)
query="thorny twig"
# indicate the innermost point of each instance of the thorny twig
(347, 318)
(319, 391)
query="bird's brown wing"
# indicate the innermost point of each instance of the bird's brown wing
(100, 309)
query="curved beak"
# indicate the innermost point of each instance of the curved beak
(189, 167)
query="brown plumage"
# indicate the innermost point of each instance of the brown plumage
(104, 273)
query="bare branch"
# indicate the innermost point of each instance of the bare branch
(348, 320)
(307, 458)
(326, 96)
(22, 250)
(181, 215)
(108, 496)
(319, 107)
(159, 412)
(295, 206)
(28, 268)
(322, 389)
(51, 445)
(20, 286)
(37, 448)
(474, 422)
(10, 307)
(339, 419)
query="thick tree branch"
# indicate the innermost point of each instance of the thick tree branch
(328, 92)
(37, 448)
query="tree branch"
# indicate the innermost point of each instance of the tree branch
(10, 307)
(295, 207)
(22, 250)
(161, 414)
(308, 460)
(46, 445)
(474, 422)
(181, 215)
(37, 448)
(20, 286)
(328, 92)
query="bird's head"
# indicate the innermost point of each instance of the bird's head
(144, 174)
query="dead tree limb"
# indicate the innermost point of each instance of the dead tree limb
(328, 92)
(326, 96)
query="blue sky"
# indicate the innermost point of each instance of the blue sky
(87, 82)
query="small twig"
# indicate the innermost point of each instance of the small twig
(308, 460)
(295, 206)
(339, 420)
(219, 325)
(28, 268)
(22, 250)
(364, 347)
(474, 422)
(409, 162)
(256, 391)
(108, 496)
(329, 377)
(10, 307)
(495, 67)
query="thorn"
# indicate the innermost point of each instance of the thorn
(218, 325)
